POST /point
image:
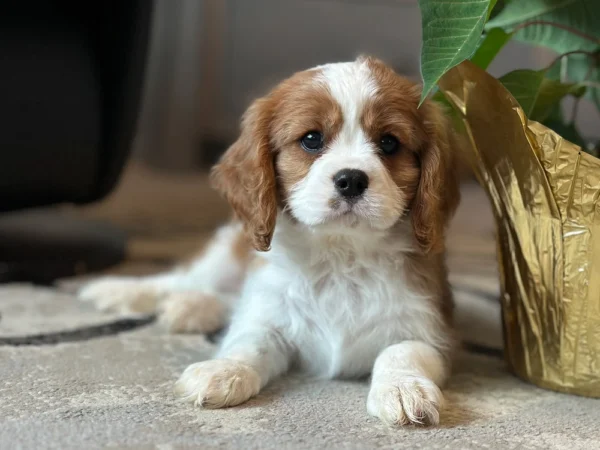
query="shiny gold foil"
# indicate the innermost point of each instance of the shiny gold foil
(545, 196)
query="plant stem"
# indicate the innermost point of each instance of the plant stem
(594, 55)
(558, 25)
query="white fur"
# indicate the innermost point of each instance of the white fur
(334, 296)
(218, 383)
(191, 299)
(338, 306)
(351, 84)
(404, 386)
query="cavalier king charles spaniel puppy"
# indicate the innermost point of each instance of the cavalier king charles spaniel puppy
(342, 188)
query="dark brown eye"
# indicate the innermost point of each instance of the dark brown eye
(389, 144)
(312, 141)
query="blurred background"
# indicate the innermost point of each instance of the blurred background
(120, 107)
(210, 58)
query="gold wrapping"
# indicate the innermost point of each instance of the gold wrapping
(544, 192)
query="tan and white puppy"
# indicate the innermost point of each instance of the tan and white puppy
(347, 187)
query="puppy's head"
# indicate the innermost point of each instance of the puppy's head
(342, 146)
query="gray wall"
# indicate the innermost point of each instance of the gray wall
(210, 58)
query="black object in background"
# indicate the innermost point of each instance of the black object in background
(71, 79)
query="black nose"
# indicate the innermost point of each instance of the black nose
(351, 182)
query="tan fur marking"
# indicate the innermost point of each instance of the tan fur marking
(425, 168)
(303, 105)
(271, 129)
(245, 175)
(242, 248)
(256, 263)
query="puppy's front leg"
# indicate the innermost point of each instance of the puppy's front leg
(247, 361)
(405, 384)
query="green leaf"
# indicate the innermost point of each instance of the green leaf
(440, 98)
(575, 19)
(551, 93)
(449, 110)
(524, 85)
(537, 94)
(491, 45)
(578, 29)
(451, 32)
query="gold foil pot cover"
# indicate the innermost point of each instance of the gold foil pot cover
(544, 192)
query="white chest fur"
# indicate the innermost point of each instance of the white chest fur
(338, 306)
(340, 323)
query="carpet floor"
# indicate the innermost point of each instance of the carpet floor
(74, 378)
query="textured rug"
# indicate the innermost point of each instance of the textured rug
(71, 377)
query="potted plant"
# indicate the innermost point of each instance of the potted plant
(539, 172)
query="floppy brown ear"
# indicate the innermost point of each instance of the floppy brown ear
(438, 192)
(245, 175)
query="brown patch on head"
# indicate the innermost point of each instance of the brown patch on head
(393, 111)
(257, 172)
(303, 104)
(424, 168)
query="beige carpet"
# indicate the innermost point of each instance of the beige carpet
(71, 377)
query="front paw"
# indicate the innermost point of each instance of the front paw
(409, 400)
(218, 383)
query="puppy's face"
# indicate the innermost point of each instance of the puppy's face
(338, 147)
(347, 139)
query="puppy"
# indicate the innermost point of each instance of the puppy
(346, 187)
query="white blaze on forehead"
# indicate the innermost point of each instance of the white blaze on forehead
(351, 84)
